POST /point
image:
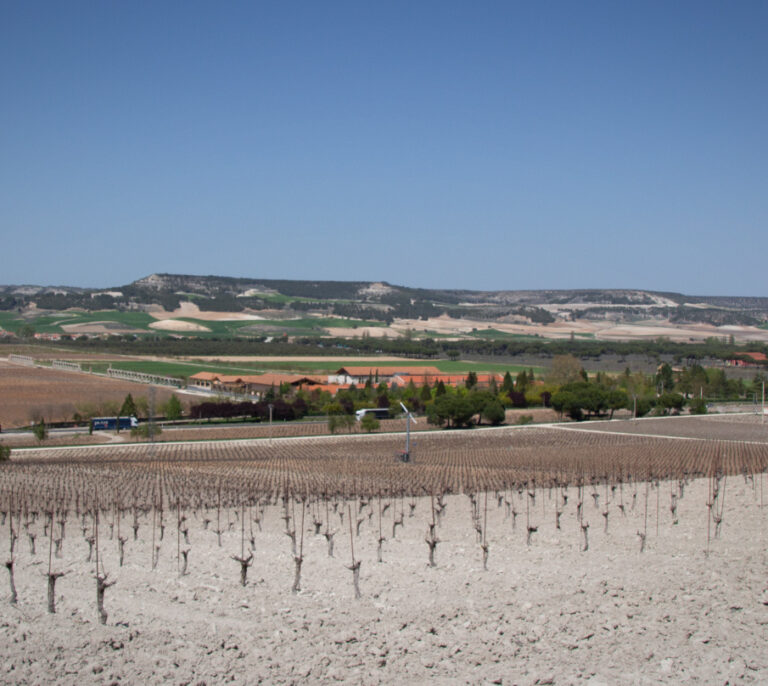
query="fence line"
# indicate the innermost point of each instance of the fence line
(26, 360)
(67, 366)
(141, 377)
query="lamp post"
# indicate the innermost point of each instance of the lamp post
(271, 407)
(406, 456)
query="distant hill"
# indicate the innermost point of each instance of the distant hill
(384, 302)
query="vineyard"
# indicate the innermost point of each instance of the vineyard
(518, 551)
(199, 474)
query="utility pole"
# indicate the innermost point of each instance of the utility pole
(406, 456)
(151, 418)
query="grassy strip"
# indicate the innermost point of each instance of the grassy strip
(186, 369)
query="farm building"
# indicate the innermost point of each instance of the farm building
(258, 384)
(359, 375)
(748, 360)
(402, 376)
(250, 384)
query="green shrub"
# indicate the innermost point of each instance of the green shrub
(142, 431)
(698, 406)
(334, 422)
(40, 430)
(493, 412)
(525, 419)
(5, 452)
(369, 423)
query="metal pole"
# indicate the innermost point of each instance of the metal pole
(151, 418)
(408, 437)
(271, 407)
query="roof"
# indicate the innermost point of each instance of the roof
(277, 379)
(452, 379)
(205, 376)
(388, 371)
(757, 357)
(332, 388)
(261, 379)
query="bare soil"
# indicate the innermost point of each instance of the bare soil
(544, 613)
(684, 603)
(32, 392)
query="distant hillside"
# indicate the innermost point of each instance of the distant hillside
(384, 302)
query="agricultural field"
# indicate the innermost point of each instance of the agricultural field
(185, 367)
(444, 462)
(514, 555)
(71, 321)
(745, 426)
(321, 366)
(304, 326)
(30, 393)
(207, 325)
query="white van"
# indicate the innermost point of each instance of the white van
(378, 412)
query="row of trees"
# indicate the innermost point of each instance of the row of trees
(696, 381)
(684, 353)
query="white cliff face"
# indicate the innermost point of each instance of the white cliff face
(375, 290)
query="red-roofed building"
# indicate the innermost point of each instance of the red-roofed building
(748, 360)
(402, 376)
(249, 384)
(359, 375)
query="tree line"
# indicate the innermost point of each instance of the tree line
(427, 348)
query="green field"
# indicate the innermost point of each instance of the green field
(178, 369)
(186, 369)
(306, 326)
(53, 322)
(140, 323)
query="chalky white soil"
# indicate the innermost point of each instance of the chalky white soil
(544, 613)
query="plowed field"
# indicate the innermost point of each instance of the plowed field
(32, 392)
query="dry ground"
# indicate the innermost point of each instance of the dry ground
(746, 426)
(602, 330)
(31, 392)
(545, 613)
(692, 607)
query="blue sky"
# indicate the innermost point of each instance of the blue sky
(494, 145)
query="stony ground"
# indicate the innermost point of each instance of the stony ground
(544, 613)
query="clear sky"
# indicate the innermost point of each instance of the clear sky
(490, 145)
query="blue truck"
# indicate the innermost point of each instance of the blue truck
(110, 423)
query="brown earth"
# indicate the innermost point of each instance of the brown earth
(543, 612)
(543, 608)
(582, 328)
(29, 393)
